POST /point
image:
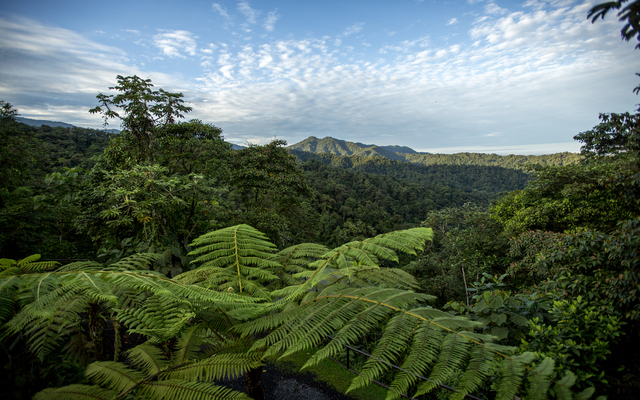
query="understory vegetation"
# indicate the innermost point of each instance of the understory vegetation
(158, 263)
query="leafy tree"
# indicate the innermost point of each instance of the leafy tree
(467, 243)
(7, 112)
(144, 111)
(564, 198)
(269, 191)
(629, 13)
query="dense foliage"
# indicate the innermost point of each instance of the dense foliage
(537, 295)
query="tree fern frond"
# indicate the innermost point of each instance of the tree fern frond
(454, 352)
(539, 380)
(562, 388)
(135, 262)
(380, 277)
(240, 250)
(180, 390)
(148, 358)
(356, 254)
(113, 375)
(512, 370)
(81, 266)
(478, 370)
(188, 345)
(76, 392)
(406, 241)
(421, 357)
(27, 264)
(220, 366)
(158, 317)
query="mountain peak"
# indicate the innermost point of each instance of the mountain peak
(341, 147)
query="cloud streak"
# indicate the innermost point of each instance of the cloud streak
(176, 43)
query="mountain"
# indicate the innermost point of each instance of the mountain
(55, 124)
(344, 148)
(40, 122)
(338, 147)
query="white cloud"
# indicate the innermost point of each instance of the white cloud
(527, 149)
(270, 21)
(452, 21)
(221, 10)
(175, 43)
(250, 14)
(492, 8)
(355, 28)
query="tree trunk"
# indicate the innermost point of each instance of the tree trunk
(254, 387)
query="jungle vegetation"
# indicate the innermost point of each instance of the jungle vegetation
(158, 262)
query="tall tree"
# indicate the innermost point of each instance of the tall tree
(143, 111)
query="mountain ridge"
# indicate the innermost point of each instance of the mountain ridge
(354, 150)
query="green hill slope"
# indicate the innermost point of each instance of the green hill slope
(340, 147)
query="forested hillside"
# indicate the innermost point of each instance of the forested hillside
(339, 147)
(485, 182)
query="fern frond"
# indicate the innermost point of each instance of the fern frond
(158, 317)
(478, 370)
(539, 380)
(188, 345)
(148, 358)
(76, 392)
(239, 251)
(351, 256)
(180, 390)
(221, 366)
(81, 266)
(135, 262)
(512, 374)
(454, 352)
(27, 264)
(113, 375)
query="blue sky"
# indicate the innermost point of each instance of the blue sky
(506, 77)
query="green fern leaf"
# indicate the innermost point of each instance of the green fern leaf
(148, 358)
(221, 366)
(180, 390)
(239, 251)
(114, 375)
(76, 392)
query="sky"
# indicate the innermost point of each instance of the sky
(504, 77)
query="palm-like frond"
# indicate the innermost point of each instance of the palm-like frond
(151, 376)
(159, 317)
(76, 392)
(180, 390)
(295, 259)
(238, 257)
(341, 261)
(426, 342)
(51, 303)
(27, 264)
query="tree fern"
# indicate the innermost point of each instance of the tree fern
(151, 376)
(236, 258)
(424, 341)
(194, 321)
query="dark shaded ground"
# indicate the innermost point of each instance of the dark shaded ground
(290, 386)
